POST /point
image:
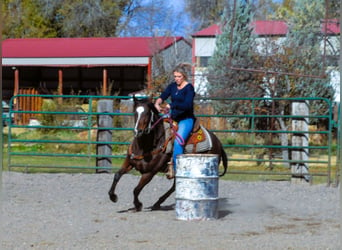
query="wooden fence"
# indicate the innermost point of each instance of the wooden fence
(27, 103)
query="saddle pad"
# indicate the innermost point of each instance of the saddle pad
(201, 146)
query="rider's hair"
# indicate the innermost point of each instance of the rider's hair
(184, 69)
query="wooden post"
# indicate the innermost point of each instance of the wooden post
(16, 81)
(104, 149)
(60, 85)
(105, 84)
(300, 140)
(16, 92)
(149, 74)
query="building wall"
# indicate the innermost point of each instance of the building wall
(167, 59)
(204, 46)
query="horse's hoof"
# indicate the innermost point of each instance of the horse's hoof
(113, 197)
(155, 207)
(138, 207)
(170, 171)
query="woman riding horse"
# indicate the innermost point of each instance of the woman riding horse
(148, 151)
(182, 95)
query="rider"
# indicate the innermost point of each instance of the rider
(182, 95)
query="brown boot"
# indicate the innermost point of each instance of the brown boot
(170, 172)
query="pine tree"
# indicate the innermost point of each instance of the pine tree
(303, 54)
(234, 48)
(293, 68)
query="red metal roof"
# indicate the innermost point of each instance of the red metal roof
(331, 26)
(260, 28)
(212, 30)
(85, 47)
(264, 27)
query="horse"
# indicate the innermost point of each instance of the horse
(149, 153)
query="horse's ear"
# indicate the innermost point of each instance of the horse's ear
(134, 99)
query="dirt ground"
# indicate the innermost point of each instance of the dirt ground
(72, 211)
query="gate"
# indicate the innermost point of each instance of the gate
(61, 135)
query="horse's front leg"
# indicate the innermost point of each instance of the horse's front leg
(125, 168)
(144, 180)
(156, 206)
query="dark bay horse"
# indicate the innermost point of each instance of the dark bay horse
(148, 152)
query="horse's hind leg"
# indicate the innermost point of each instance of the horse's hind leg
(126, 167)
(156, 206)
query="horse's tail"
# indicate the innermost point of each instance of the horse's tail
(224, 161)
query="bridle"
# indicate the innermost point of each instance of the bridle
(140, 110)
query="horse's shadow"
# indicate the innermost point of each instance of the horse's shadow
(222, 208)
(149, 209)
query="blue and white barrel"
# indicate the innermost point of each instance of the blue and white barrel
(197, 186)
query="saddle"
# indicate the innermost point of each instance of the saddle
(198, 141)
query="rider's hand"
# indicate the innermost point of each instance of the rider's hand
(167, 108)
(157, 105)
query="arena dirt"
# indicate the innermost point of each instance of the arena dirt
(72, 211)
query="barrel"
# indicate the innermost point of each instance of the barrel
(197, 187)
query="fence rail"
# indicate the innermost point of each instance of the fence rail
(62, 133)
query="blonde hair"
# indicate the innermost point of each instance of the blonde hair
(184, 69)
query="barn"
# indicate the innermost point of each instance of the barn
(91, 66)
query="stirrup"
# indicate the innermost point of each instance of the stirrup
(170, 172)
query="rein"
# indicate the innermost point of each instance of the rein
(151, 126)
(167, 117)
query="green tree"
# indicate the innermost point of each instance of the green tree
(302, 53)
(89, 18)
(204, 13)
(24, 19)
(300, 56)
(234, 47)
(293, 68)
(62, 18)
(264, 9)
(331, 8)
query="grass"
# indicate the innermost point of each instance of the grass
(88, 165)
(80, 162)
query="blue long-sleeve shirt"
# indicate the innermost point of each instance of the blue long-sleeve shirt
(182, 101)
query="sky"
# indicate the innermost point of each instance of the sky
(178, 5)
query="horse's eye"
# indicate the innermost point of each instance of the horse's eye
(140, 109)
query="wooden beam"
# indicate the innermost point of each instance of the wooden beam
(16, 81)
(60, 85)
(105, 84)
(16, 92)
(149, 73)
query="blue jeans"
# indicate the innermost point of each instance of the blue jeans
(184, 130)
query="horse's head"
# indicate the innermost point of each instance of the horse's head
(145, 116)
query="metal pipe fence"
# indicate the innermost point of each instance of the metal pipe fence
(62, 134)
